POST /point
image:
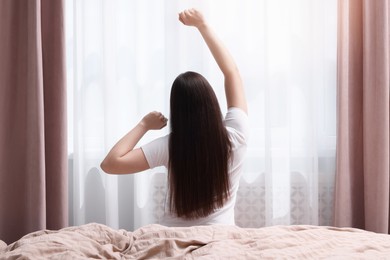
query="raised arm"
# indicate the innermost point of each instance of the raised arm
(234, 89)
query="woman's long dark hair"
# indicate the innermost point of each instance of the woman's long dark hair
(199, 149)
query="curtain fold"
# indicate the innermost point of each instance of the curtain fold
(362, 183)
(33, 165)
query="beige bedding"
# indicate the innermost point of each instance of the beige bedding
(203, 242)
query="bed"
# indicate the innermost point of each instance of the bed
(200, 242)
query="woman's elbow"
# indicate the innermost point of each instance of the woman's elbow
(105, 166)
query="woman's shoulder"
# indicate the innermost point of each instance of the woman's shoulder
(237, 123)
(156, 151)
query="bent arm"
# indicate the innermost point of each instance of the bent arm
(123, 158)
(234, 89)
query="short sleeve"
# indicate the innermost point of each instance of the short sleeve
(156, 152)
(236, 121)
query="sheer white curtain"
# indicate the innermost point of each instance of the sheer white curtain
(123, 56)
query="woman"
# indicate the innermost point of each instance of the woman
(203, 153)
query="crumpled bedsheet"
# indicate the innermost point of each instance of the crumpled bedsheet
(200, 242)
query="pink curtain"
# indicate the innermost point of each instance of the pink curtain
(362, 194)
(33, 155)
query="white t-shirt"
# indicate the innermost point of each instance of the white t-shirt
(157, 154)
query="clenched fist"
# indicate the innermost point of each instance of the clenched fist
(154, 121)
(192, 17)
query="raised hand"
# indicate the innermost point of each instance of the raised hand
(192, 17)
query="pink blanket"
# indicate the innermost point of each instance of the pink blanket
(203, 242)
